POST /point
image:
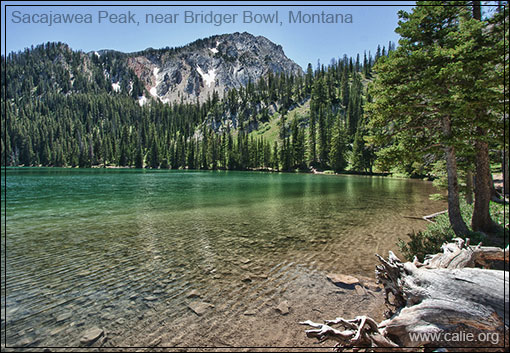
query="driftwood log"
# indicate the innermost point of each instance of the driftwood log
(460, 254)
(429, 217)
(444, 302)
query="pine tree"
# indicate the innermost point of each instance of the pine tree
(308, 79)
(323, 149)
(358, 156)
(139, 157)
(415, 85)
(153, 155)
(275, 161)
(337, 159)
(298, 145)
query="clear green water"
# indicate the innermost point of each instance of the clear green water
(105, 247)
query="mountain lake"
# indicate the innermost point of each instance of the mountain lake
(175, 258)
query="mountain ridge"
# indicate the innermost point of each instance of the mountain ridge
(71, 108)
(196, 70)
(216, 63)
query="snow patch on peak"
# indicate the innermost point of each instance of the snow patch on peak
(153, 91)
(215, 50)
(208, 77)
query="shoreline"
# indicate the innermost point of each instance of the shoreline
(263, 170)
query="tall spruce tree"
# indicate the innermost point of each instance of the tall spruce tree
(338, 149)
(478, 92)
(410, 90)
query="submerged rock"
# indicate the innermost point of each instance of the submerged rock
(108, 316)
(200, 308)
(283, 308)
(193, 294)
(63, 317)
(155, 342)
(369, 283)
(27, 342)
(342, 280)
(91, 335)
(247, 279)
(57, 330)
(360, 290)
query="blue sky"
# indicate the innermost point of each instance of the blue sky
(306, 42)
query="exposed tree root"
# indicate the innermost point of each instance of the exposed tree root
(443, 302)
(361, 332)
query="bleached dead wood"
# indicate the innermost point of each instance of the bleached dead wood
(444, 302)
(429, 217)
(460, 254)
(360, 332)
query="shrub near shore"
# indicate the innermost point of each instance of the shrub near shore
(431, 239)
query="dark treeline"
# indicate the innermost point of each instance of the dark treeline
(61, 110)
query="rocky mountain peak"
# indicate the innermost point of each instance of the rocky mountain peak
(216, 63)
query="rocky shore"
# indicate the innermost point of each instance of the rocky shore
(268, 326)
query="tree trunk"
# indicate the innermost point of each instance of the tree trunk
(477, 10)
(469, 187)
(481, 220)
(458, 224)
(506, 179)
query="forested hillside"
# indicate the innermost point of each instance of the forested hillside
(67, 108)
(372, 113)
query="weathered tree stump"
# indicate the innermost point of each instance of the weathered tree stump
(444, 302)
(460, 254)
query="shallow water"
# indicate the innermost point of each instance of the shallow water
(94, 247)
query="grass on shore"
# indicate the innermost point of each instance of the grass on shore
(430, 240)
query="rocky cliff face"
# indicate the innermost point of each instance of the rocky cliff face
(217, 63)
